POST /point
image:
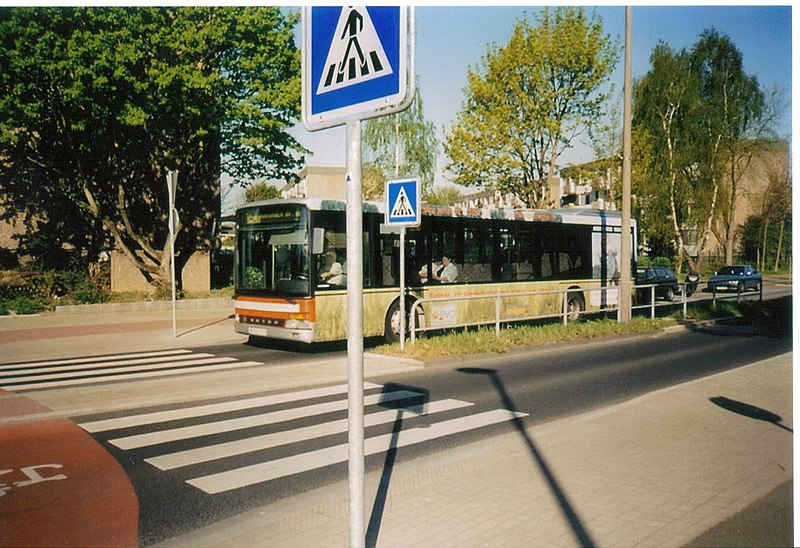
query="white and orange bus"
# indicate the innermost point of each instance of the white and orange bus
(281, 248)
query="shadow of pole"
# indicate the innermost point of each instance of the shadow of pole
(378, 506)
(750, 411)
(581, 534)
(199, 327)
(416, 405)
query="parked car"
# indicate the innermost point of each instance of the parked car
(738, 278)
(662, 277)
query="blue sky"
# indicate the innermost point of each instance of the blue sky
(450, 39)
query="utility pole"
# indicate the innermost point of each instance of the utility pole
(625, 251)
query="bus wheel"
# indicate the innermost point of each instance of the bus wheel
(575, 305)
(391, 331)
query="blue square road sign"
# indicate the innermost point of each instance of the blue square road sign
(357, 63)
(403, 203)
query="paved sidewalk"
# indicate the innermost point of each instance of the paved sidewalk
(656, 471)
(81, 333)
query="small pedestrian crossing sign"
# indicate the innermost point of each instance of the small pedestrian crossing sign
(357, 63)
(403, 202)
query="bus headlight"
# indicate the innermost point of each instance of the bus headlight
(297, 321)
(297, 324)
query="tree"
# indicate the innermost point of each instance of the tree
(606, 139)
(401, 144)
(447, 195)
(683, 179)
(698, 107)
(261, 191)
(528, 100)
(99, 103)
(737, 104)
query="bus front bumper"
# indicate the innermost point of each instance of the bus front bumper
(299, 335)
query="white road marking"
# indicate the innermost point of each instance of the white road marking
(214, 408)
(202, 359)
(95, 359)
(100, 367)
(130, 376)
(266, 471)
(277, 439)
(231, 425)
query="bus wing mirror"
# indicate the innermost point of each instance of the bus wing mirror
(318, 243)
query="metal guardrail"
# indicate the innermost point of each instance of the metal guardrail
(498, 319)
(739, 292)
(652, 305)
(565, 312)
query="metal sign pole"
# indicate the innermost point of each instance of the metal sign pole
(355, 336)
(172, 188)
(402, 288)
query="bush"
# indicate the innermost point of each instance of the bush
(32, 291)
(27, 305)
(644, 260)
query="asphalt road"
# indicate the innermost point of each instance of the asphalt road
(544, 385)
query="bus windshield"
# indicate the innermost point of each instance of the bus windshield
(272, 251)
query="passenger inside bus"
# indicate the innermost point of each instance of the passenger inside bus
(447, 273)
(334, 275)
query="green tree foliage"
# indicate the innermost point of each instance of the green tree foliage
(261, 191)
(528, 100)
(96, 104)
(402, 144)
(447, 195)
(740, 108)
(698, 107)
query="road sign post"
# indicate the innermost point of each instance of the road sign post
(403, 209)
(357, 63)
(172, 189)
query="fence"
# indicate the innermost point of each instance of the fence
(567, 312)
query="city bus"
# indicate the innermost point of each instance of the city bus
(283, 247)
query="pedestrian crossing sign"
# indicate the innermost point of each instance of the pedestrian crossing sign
(403, 202)
(357, 63)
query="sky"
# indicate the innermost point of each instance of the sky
(451, 39)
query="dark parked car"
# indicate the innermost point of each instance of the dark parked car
(738, 278)
(662, 277)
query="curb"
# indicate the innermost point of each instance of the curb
(144, 306)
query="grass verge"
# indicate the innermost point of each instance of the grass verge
(484, 339)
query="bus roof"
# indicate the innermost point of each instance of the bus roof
(563, 215)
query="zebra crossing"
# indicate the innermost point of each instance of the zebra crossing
(115, 367)
(220, 447)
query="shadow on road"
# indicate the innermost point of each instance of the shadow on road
(581, 534)
(750, 411)
(415, 405)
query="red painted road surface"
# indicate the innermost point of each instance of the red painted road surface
(59, 487)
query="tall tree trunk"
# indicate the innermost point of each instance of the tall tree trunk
(780, 243)
(764, 247)
(731, 232)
